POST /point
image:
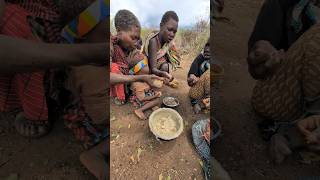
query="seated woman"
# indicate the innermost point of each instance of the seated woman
(87, 112)
(160, 50)
(122, 45)
(143, 96)
(199, 80)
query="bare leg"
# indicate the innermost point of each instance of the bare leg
(149, 105)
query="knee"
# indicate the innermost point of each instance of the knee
(165, 67)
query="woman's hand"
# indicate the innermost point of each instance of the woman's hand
(192, 80)
(150, 78)
(263, 59)
(168, 76)
(308, 127)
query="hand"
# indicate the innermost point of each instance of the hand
(307, 126)
(168, 76)
(192, 80)
(263, 58)
(150, 78)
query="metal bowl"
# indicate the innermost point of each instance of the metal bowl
(157, 116)
(171, 102)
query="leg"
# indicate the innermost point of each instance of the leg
(200, 90)
(95, 160)
(281, 96)
(117, 91)
(149, 105)
(33, 122)
(91, 83)
(167, 67)
(8, 97)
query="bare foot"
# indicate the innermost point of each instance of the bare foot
(158, 94)
(206, 102)
(140, 114)
(27, 129)
(279, 148)
(155, 108)
(196, 108)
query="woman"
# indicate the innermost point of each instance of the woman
(199, 80)
(159, 47)
(283, 55)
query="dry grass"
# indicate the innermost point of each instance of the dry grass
(188, 40)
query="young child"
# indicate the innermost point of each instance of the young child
(143, 96)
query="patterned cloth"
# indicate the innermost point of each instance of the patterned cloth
(294, 88)
(303, 6)
(166, 53)
(199, 129)
(76, 116)
(139, 66)
(201, 89)
(86, 21)
(24, 90)
(45, 14)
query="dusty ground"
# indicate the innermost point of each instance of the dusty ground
(53, 157)
(176, 158)
(241, 150)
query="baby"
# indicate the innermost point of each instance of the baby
(143, 96)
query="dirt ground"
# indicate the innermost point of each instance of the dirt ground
(53, 157)
(241, 150)
(176, 158)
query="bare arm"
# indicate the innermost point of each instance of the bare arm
(153, 58)
(120, 78)
(18, 55)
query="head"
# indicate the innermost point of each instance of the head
(128, 29)
(169, 26)
(206, 50)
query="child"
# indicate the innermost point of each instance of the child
(143, 96)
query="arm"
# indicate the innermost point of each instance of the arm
(152, 49)
(193, 71)
(21, 55)
(120, 78)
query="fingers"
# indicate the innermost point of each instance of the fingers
(303, 129)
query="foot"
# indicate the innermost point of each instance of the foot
(196, 108)
(140, 114)
(279, 148)
(28, 129)
(155, 108)
(206, 102)
(158, 94)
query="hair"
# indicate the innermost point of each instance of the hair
(169, 15)
(70, 9)
(125, 20)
